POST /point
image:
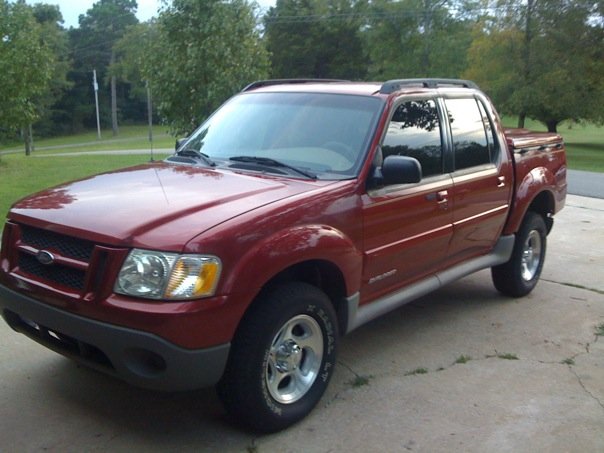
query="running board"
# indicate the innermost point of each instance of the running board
(359, 315)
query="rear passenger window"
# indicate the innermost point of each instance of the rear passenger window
(490, 131)
(414, 131)
(470, 143)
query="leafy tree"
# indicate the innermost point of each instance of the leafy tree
(132, 52)
(92, 45)
(314, 38)
(543, 60)
(416, 38)
(205, 51)
(55, 37)
(26, 67)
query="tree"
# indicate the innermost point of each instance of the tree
(543, 60)
(100, 28)
(26, 67)
(55, 37)
(205, 51)
(313, 38)
(132, 52)
(416, 38)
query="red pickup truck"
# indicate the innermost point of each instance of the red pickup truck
(300, 210)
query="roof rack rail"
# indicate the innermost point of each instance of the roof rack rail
(394, 85)
(266, 83)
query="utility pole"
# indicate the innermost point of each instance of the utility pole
(96, 101)
(114, 125)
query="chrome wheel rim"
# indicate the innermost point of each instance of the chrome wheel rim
(531, 256)
(294, 359)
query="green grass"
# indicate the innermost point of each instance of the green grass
(507, 356)
(417, 371)
(130, 137)
(584, 143)
(359, 381)
(463, 359)
(21, 175)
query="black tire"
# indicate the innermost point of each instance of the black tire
(281, 358)
(521, 273)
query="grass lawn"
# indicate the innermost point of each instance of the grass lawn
(21, 175)
(584, 144)
(130, 137)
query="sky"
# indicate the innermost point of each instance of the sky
(71, 9)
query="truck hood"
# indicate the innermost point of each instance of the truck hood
(152, 206)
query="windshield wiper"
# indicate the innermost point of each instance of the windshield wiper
(193, 153)
(268, 162)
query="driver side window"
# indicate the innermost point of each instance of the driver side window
(414, 131)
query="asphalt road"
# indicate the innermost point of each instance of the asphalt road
(531, 378)
(585, 183)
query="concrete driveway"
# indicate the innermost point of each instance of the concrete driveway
(463, 369)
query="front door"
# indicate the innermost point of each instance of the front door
(407, 227)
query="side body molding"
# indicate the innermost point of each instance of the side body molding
(359, 315)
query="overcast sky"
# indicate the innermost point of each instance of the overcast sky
(71, 9)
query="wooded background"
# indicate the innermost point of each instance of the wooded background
(539, 59)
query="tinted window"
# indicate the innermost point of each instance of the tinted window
(414, 131)
(327, 134)
(490, 131)
(469, 135)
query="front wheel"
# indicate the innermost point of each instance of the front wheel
(281, 359)
(521, 273)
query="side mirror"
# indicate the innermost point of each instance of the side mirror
(180, 142)
(401, 170)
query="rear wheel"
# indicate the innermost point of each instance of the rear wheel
(281, 359)
(521, 273)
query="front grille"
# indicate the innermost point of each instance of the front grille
(67, 276)
(78, 249)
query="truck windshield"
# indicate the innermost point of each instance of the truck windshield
(326, 135)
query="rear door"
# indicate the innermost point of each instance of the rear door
(407, 227)
(482, 178)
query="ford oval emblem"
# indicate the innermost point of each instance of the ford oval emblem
(45, 257)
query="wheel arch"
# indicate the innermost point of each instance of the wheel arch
(320, 255)
(536, 194)
(543, 204)
(324, 275)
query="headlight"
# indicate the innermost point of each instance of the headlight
(158, 275)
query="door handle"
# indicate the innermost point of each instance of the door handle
(441, 197)
(501, 181)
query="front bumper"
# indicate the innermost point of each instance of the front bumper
(137, 357)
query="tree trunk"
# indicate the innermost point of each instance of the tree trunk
(552, 125)
(28, 138)
(427, 38)
(521, 119)
(527, 69)
(114, 125)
